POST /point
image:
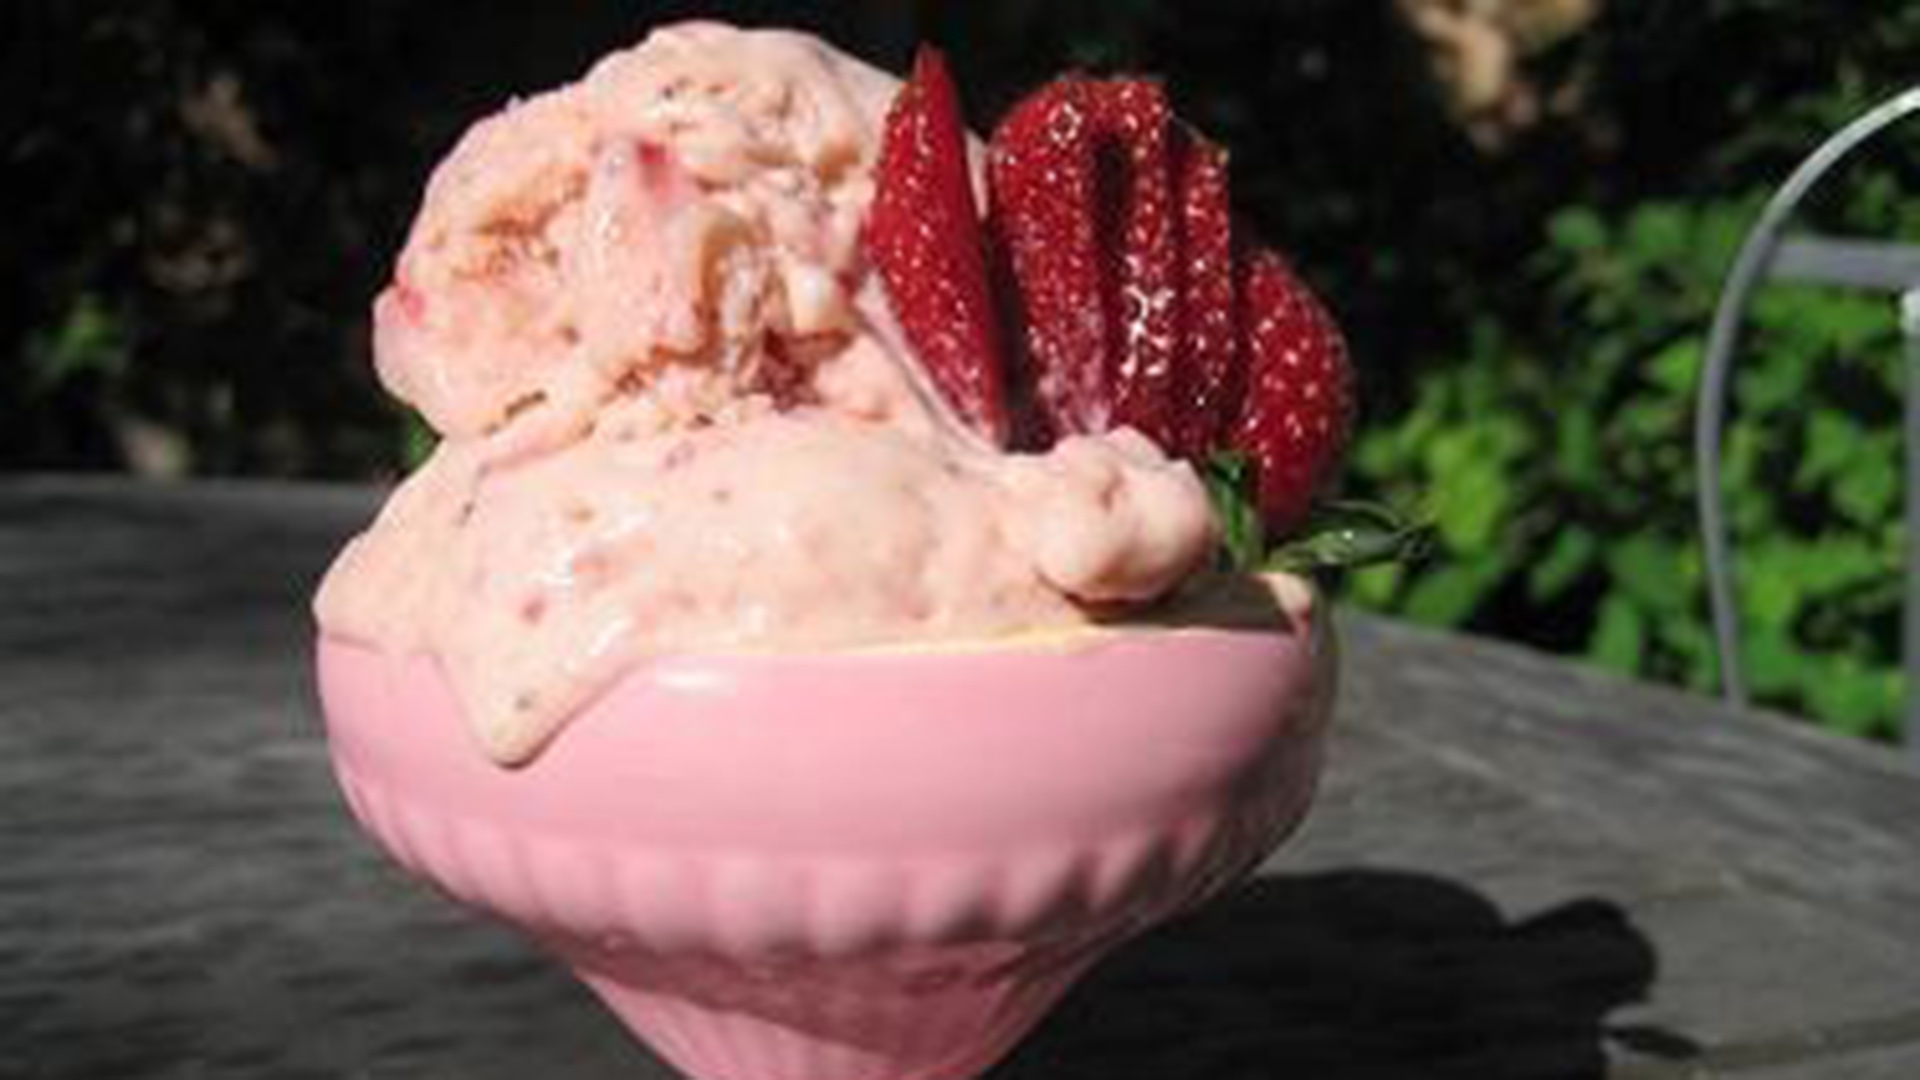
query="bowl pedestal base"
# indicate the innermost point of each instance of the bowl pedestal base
(940, 1017)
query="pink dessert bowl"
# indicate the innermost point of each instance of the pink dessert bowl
(862, 865)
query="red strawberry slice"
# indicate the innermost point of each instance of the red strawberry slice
(1046, 199)
(1117, 225)
(1115, 221)
(923, 234)
(1299, 401)
(1208, 360)
(1137, 132)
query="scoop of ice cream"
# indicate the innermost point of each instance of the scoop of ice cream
(687, 203)
(678, 414)
(538, 584)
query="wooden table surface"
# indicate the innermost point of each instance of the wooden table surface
(1518, 868)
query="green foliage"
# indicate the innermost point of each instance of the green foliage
(417, 441)
(89, 341)
(1552, 437)
(1555, 454)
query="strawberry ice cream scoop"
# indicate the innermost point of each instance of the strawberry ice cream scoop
(679, 205)
(679, 413)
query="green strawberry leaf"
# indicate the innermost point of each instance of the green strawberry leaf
(1346, 535)
(1228, 475)
(1341, 535)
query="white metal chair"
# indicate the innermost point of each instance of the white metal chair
(1767, 255)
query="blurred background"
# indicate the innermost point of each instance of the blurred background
(1520, 209)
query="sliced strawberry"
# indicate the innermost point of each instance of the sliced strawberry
(1116, 221)
(1136, 130)
(1046, 212)
(1112, 213)
(1299, 401)
(1207, 363)
(924, 236)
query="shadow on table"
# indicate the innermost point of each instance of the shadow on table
(1357, 975)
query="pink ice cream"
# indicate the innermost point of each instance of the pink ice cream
(677, 415)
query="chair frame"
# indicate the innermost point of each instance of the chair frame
(1865, 264)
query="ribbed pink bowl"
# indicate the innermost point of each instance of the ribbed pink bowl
(853, 866)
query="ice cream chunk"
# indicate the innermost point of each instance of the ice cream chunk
(537, 585)
(678, 415)
(680, 204)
